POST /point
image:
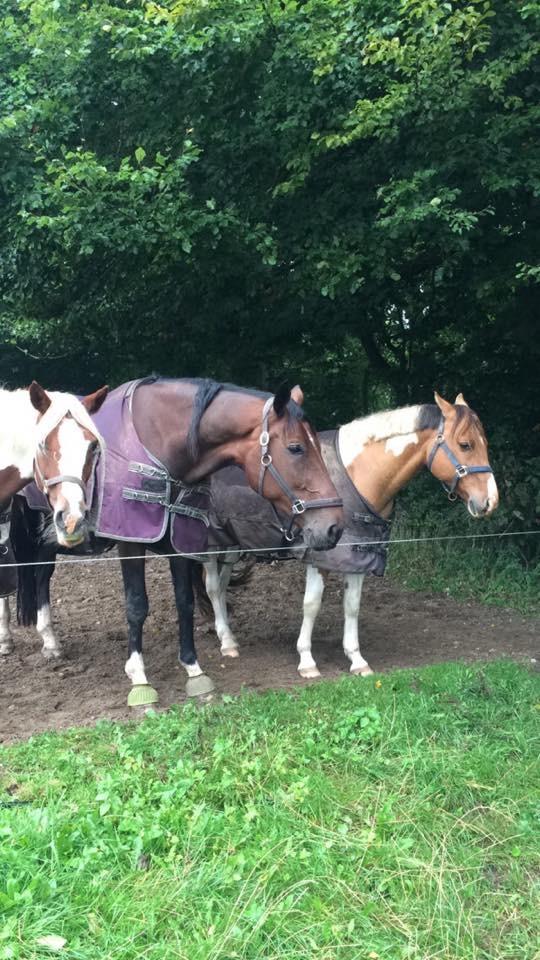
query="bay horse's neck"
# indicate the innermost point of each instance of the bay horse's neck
(383, 452)
(17, 441)
(163, 413)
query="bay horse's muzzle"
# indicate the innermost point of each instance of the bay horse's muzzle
(323, 534)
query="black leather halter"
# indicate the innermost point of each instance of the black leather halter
(298, 506)
(461, 470)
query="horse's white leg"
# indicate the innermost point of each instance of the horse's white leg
(312, 604)
(352, 595)
(6, 639)
(216, 587)
(51, 649)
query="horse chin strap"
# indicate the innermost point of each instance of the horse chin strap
(461, 470)
(298, 506)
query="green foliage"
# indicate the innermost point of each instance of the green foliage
(394, 818)
(333, 191)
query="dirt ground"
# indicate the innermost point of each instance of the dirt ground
(398, 629)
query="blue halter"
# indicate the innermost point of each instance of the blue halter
(461, 470)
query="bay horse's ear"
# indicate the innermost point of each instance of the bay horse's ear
(461, 401)
(281, 399)
(447, 409)
(94, 400)
(39, 397)
(297, 394)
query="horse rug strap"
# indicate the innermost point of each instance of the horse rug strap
(8, 572)
(136, 499)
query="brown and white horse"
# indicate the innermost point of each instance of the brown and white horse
(381, 454)
(48, 436)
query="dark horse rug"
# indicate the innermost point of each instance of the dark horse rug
(132, 494)
(240, 518)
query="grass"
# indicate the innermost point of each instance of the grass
(393, 818)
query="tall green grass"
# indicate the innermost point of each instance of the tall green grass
(498, 570)
(393, 818)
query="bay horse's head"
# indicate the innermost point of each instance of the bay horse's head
(459, 457)
(286, 466)
(67, 443)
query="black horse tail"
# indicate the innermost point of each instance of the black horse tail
(25, 524)
(199, 589)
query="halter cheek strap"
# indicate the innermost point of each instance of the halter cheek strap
(298, 506)
(461, 469)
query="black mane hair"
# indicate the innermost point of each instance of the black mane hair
(429, 416)
(208, 390)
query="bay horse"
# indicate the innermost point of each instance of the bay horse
(380, 454)
(193, 428)
(48, 436)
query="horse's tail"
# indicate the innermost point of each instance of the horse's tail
(25, 541)
(199, 588)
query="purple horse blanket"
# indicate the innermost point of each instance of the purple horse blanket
(133, 496)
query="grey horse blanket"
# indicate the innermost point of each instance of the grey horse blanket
(240, 518)
(132, 494)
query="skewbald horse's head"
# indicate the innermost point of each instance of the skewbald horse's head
(66, 444)
(459, 457)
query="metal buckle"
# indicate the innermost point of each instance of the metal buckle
(264, 438)
(440, 438)
(289, 536)
(452, 497)
(298, 507)
(266, 459)
(462, 470)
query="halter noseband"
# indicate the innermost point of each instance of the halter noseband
(461, 470)
(298, 506)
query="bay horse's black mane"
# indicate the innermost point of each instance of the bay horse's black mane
(207, 390)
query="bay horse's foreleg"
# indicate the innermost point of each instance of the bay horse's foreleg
(133, 564)
(217, 582)
(352, 595)
(6, 638)
(51, 649)
(312, 604)
(182, 575)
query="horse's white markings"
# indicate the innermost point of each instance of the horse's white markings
(493, 492)
(354, 436)
(397, 445)
(6, 640)
(135, 669)
(192, 669)
(216, 588)
(351, 608)
(44, 627)
(312, 604)
(18, 418)
(73, 447)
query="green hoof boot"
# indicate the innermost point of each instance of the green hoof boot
(199, 686)
(142, 695)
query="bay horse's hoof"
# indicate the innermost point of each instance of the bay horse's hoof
(142, 695)
(199, 686)
(310, 673)
(363, 671)
(230, 652)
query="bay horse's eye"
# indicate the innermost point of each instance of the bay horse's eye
(465, 446)
(296, 448)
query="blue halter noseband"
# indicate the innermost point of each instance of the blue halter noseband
(461, 470)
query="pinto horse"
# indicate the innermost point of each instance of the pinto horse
(192, 428)
(380, 454)
(51, 437)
